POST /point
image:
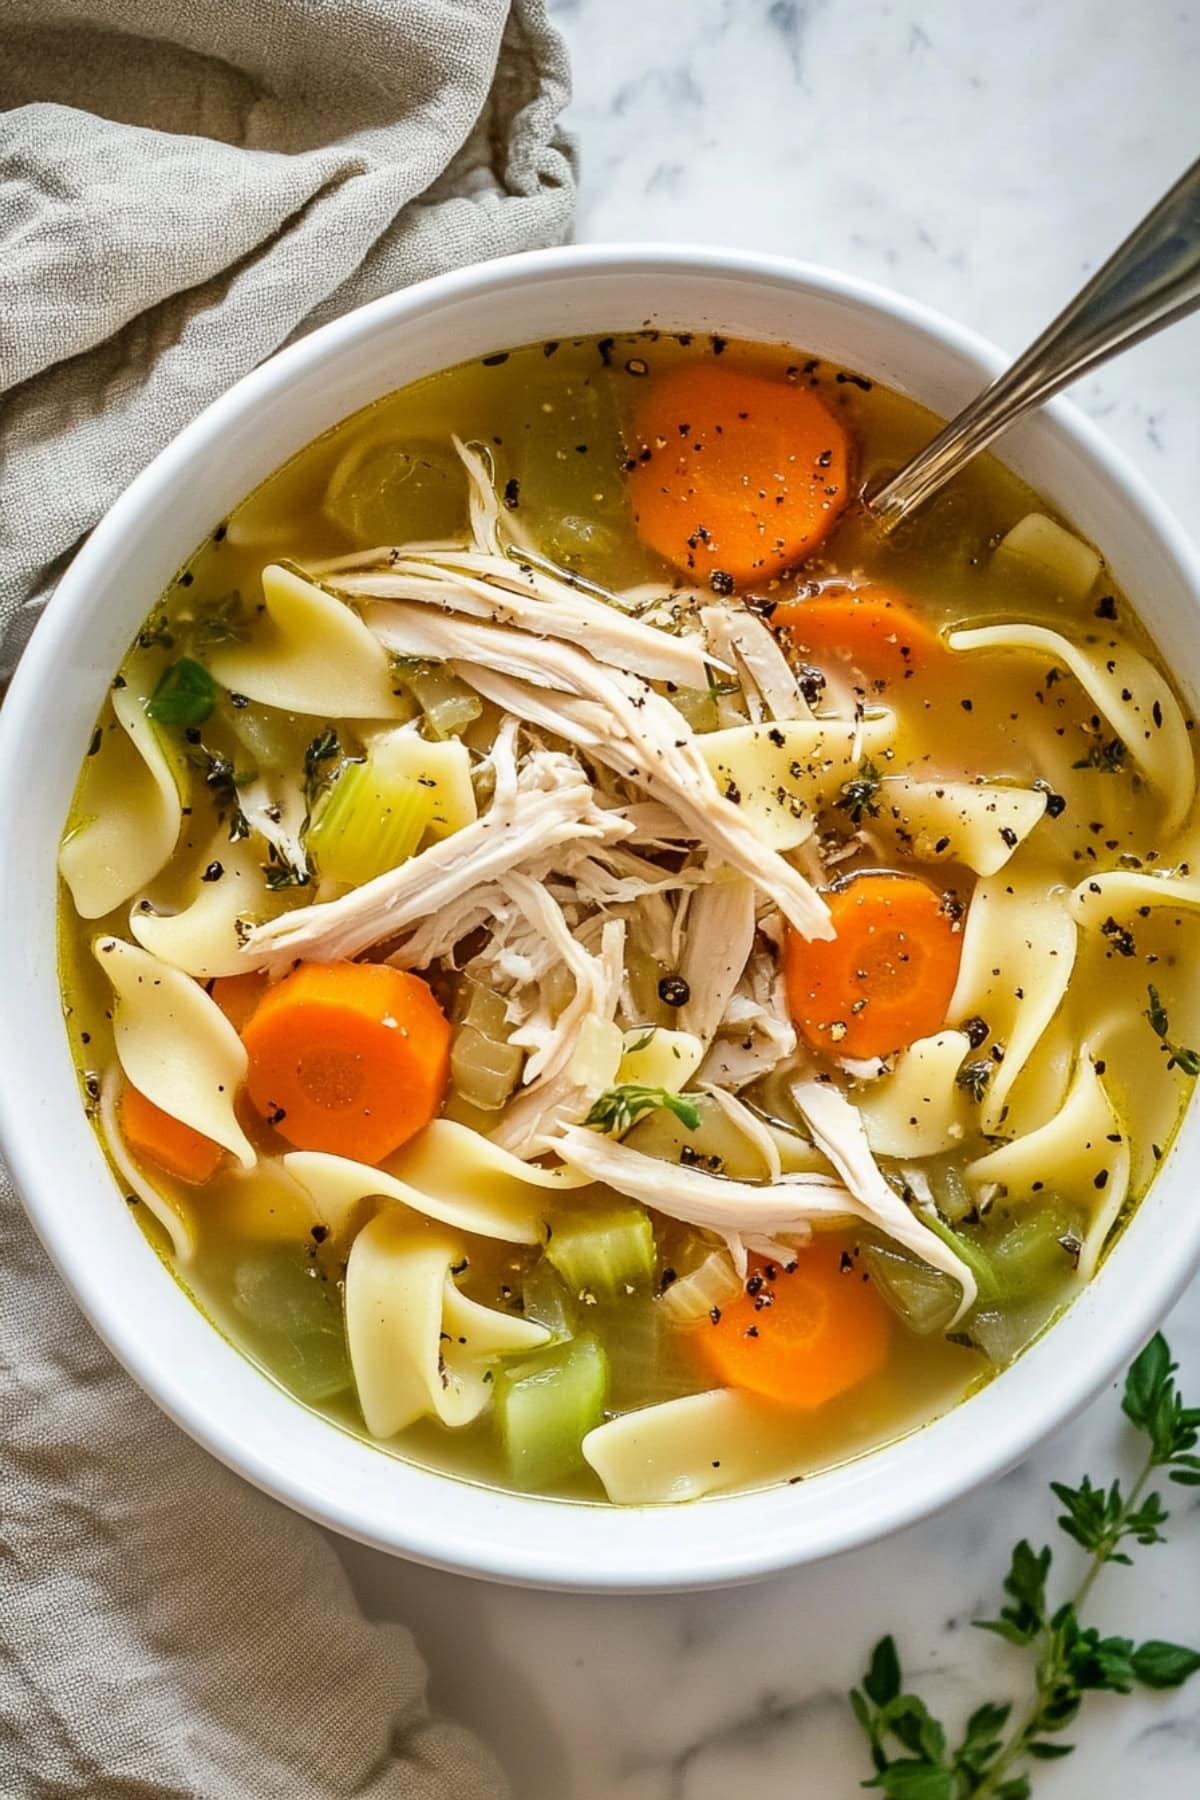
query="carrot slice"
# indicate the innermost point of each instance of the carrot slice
(154, 1136)
(870, 628)
(238, 995)
(734, 475)
(347, 1057)
(886, 978)
(801, 1337)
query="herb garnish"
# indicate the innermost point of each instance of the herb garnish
(861, 795)
(618, 1107)
(185, 694)
(1108, 757)
(221, 622)
(1160, 1025)
(156, 633)
(223, 781)
(973, 1078)
(1071, 1659)
(324, 748)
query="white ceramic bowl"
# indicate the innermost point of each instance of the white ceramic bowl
(44, 728)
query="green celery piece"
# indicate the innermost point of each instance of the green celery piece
(603, 1253)
(923, 1297)
(295, 1321)
(365, 825)
(547, 1302)
(546, 1405)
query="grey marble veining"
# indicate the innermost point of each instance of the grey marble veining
(983, 159)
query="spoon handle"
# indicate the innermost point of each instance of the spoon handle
(1152, 280)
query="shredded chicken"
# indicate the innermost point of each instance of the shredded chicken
(838, 1132)
(494, 590)
(615, 717)
(739, 638)
(720, 934)
(741, 1212)
(550, 802)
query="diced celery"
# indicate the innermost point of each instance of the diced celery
(448, 703)
(1002, 1332)
(295, 1320)
(954, 1198)
(365, 825)
(546, 1301)
(1037, 1251)
(546, 1405)
(484, 1071)
(693, 1295)
(648, 1358)
(481, 1006)
(602, 1253)
(925, 1299)
(698, 706)
(388, 492)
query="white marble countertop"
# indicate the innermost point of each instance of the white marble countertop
(981, 158)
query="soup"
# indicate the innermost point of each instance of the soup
(603, 974)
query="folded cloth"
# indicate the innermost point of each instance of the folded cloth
(183, 187)
(186, 185)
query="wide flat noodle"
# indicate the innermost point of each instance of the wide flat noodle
(406, 1324)
(1081, 1155)
(131, 813)
(1127, 690)
(919, 1109)
(684, 1449)
(447, 1173)
(1017, 956)
(781, 775)
(976, 823)
(164, 1198)
(227, 889)
(316, 656)
(175, 1044)
(1120, 893)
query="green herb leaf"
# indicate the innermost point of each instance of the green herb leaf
(862, 794)
(881, 1682)
(912, 1780)
(1108, 757)
(324, 748)
(221, 622)
(973, 1078)
(185, 695)
(616, 1109)
(156, 634)
(1026, 1584)
(1160, 1665)
(1179, 1056)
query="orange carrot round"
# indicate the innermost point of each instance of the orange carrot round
(734, 474)
(804, 1337)
(887, 975)
(238, 995)
(871, 629)
(347, 1057)
(154, 1136)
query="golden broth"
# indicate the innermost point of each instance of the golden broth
(555, 419)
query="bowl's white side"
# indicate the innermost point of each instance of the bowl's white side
(44, 728)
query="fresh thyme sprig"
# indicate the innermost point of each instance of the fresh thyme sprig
(1179, 1056)
(1070, 1659)
(618, 1107)
(861, 795)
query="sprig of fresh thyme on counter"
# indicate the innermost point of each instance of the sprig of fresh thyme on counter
(1068, 1659)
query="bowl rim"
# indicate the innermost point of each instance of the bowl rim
(476, 1544)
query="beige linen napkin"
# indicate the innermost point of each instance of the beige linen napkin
(184, 185)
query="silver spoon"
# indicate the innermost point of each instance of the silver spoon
(1149, 283)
